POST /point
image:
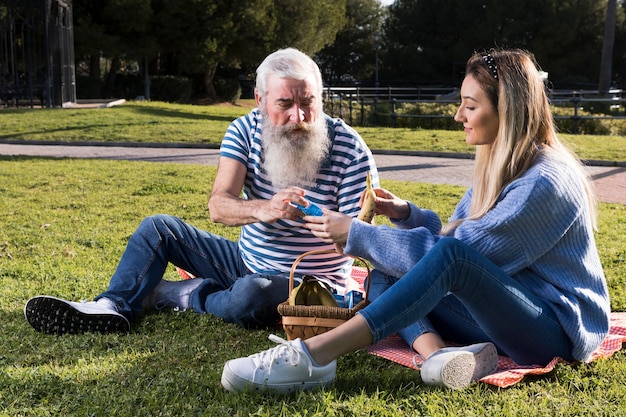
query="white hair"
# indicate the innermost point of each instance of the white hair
(288, 63)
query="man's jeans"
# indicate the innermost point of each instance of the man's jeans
(467, 299)
(228, 291)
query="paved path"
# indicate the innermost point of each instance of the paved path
(610, 181)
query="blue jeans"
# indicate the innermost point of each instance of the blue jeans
(229, 289)
(467, 299)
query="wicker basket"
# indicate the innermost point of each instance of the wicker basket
(306, 321)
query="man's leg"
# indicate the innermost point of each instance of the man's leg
(162, 239)
(251, 301)
(158, 240)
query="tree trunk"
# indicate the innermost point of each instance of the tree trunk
(110, 81)
(604, 83)
(94, 67)
(209, 88)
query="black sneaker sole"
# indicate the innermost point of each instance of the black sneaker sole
(55, 316)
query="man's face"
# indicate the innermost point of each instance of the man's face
(290, 102)
(295, 136)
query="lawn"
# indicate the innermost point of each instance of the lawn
(157, 122)
(65, 224)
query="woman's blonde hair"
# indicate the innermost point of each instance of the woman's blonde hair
(511, 80)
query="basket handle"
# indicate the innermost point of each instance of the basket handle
(323, 251)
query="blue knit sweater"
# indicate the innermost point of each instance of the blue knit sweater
(539, 232)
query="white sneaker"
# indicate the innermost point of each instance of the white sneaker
(56, 316)
(282, 369)
(172, 294)
(457, 367)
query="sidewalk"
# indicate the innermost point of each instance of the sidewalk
(610, 181)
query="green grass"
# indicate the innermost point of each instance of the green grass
(65, 224)
(157, 122)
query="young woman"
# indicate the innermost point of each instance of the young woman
(514, 271)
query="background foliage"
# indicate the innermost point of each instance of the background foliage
(422, 42)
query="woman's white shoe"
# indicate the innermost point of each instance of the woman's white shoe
(457, 367)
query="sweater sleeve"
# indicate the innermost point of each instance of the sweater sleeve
(532, 214)
(395, 250)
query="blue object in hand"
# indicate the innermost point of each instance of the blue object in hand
(310, 210)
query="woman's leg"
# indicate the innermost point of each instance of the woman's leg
(511, 316)
(421, 335)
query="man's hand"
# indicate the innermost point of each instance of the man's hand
(280, 207)
(227, 207)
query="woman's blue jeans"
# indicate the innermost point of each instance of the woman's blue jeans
(229, 289)
(467, 299)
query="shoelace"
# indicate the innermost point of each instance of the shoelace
(285, 351)
(418, 361)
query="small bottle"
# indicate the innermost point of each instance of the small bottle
(310, 210)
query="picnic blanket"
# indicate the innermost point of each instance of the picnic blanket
(508, 372)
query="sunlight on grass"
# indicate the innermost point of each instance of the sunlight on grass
(65, 224)
(84, 370)
(169, 123)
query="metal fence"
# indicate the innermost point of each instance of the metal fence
(361, 106)
(36, 53)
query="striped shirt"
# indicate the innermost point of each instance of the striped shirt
(273, 247)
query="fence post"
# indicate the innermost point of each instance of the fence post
(376, 110)
(350, 108)
(362, 111)
(576, 118)
(394, 116)
(340, 104)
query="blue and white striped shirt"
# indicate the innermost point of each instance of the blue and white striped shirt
(269, 247)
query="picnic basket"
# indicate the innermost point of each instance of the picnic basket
(301, 321)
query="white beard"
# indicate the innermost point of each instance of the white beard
(293, 154)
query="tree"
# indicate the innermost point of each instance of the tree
(197, 36)
(352, 56)
(607, 47)
(308, 26)
(115, 29)
(430, 40)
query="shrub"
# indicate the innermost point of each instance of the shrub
(170, 88)
(88, 88)
(228, 89)
(128, 86)
(584, 126)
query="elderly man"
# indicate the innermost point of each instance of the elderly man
(284, 153)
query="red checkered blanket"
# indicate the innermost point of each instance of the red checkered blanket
(508, 373)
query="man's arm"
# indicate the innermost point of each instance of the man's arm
(227, 207)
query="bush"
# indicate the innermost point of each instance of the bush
(565, 123)
(171, 89)
(444, 111)
(228, 89)
(88, 88)
(411, 115)
(128, 86)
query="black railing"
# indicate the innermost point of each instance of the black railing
(361, 105)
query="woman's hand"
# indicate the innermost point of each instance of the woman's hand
(332, 227)
(389, 205)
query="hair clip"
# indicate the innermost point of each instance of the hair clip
(491, 64)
